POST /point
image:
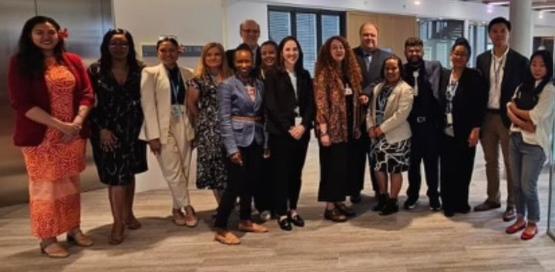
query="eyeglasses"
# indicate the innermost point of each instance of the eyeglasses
(253, 31)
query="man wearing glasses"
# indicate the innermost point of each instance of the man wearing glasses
(250, 32)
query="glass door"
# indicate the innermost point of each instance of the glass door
(551, 209)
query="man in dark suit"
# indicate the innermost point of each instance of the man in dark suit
(250, 32)
(370, 59)
(424, 119)
(503, 70)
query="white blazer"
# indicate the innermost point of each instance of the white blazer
(399, 104)
(156, 103)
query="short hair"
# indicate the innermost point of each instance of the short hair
(462, 42)
(370, 24)
(414, 41)
(499, 20)
(249, 21)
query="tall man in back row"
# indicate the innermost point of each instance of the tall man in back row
(424, 119)
(504, 69)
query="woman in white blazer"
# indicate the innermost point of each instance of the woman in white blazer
(390, 132)
(167, 128)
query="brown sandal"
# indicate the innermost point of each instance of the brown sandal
(227, 238)
(190, 217)
(80, 239)
(53, 250)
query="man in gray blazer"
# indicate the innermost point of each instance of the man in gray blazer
(504, 69)
(370, 59)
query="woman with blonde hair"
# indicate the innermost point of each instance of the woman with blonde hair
(202, 105)
(337, 91)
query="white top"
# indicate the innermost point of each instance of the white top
(496, 73)
(293, 79)
(542, 117)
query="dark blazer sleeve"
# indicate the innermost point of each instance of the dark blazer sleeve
(308, 116)
(274, 112)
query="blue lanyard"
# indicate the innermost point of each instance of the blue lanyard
(176, 86)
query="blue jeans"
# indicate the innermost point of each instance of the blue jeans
(527, 162)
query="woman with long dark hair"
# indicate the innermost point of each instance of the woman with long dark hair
(337, 89)
(51, 93)
(531, 114)
(116, 122)
(289, 104)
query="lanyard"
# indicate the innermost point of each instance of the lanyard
(451, 92)
(176, 86)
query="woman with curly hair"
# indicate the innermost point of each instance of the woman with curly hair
(337, 89)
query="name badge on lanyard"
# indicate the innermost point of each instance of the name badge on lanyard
(348, 90)
(177, 112)
(176, 109)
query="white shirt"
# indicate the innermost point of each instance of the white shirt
(293, 79)
(496, 73)
(542, 117)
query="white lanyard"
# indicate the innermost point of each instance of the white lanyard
(451, 92)
(497, 68)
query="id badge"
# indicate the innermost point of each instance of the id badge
(348, 91)
(176, 111)
(298, 121)
(449, 118)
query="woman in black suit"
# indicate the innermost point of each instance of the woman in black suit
(289, 106)
(463, 99)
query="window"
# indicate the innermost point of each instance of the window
(438, 37)
(479, 41)
(311, 27)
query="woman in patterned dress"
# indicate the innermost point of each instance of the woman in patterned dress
(390, 132)
(116, 123)
(51, 94)
(202, 103)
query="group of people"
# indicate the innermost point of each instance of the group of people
(249, 111)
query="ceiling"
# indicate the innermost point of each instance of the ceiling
(539, 5)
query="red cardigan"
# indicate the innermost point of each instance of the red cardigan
(26, 93)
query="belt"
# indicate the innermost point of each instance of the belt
(257, 119)
(494, 111)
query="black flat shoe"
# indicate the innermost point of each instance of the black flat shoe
(297, 220)
(348, 211)
(448, 213)
(284, 224)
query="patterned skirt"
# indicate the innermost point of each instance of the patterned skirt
(391, 158)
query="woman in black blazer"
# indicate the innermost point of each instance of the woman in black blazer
(289, 105)
(463, 99)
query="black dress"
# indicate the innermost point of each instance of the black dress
(118, 110)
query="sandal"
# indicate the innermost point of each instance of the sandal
(53, 250)
(80, 239)
(227, 238)
(190, 217)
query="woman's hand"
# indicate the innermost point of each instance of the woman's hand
(325, 140)
(236, 158)
(108, 140)
(474, 137)
(155, 146)
(378, 132)
(297, 132)
(363, 99)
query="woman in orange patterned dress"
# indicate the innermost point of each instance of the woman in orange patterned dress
(51, 93)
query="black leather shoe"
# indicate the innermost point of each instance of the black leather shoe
(435, 205)
(391, 207)
(297, 220)
(448, 213)
(335, 215)
(509, 214)
(348, 211)
(410, 203)
(284, 224)
(487, 205)
(463, 209)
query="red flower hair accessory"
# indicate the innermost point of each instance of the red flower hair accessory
(63, 34)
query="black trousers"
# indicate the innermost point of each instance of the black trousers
(241, 182)
(424, 147)
(288, 158)
(262, 195)
(334, 173)
(457, 163)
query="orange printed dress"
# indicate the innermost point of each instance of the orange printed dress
(54, 166)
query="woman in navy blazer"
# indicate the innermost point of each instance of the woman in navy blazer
(463, 99)
(289, 105)
(242, 126)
